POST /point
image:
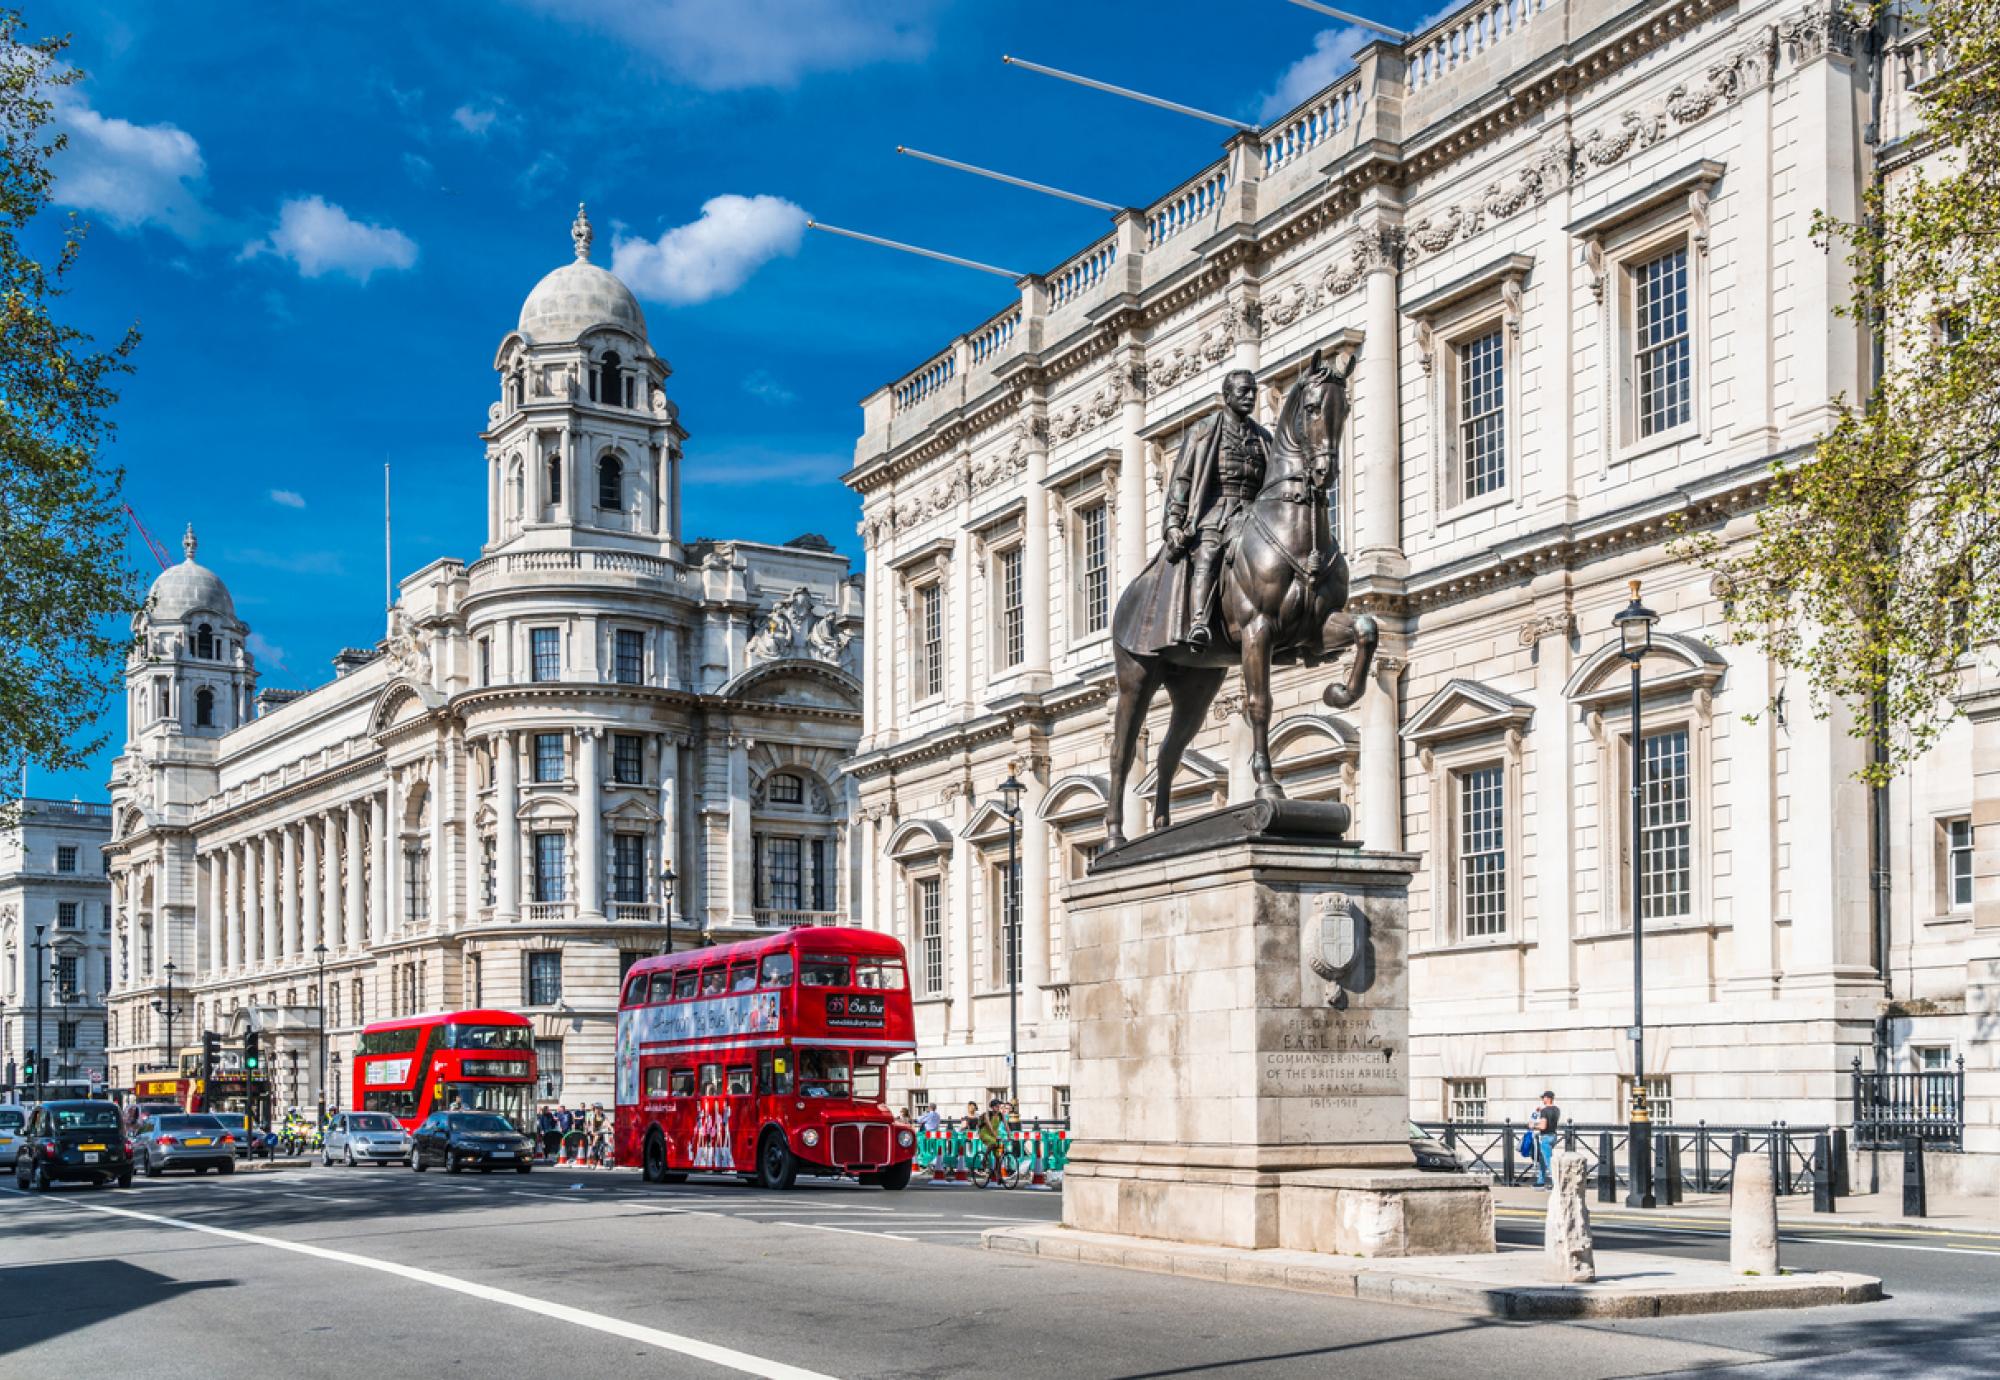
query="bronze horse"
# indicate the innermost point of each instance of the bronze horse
(1281, 599)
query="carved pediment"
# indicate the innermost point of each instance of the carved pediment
(1462, 709)
(919, 840)
(1676, 663)
(797, 682)
(1075, 799)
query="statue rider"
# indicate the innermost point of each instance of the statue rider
(1218, 472)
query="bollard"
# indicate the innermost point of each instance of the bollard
(940, 1153)
(1841, 1186)
(1041, 1170)
(1753, 1218)
(1607, 1169)
(961, 1173)
(1781, 1177)
(1915, 1199)
(1674, 1185)
(1566, 1233)
(1506, 1154)
(1822, 1172)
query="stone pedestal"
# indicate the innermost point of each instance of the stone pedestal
(1239, 1051)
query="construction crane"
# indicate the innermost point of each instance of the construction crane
(152, 544)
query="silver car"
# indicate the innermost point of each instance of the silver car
(188, 1140)
(13, 1118)
(364, 1138)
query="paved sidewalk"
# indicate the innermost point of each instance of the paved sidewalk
(1881, 1210)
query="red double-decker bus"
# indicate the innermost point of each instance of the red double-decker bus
(474, 1061)
(767, 1059)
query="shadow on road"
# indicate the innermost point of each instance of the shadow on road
(42, 1302)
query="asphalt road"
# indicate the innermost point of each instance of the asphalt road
(324, 1272)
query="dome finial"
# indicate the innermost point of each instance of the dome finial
(187, 542)
(579, 233)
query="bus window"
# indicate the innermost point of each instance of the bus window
(684, 985)
(774, 1073)
(681, 1083)
(823, 1072)
(742, 977)
(663, 988)
(711, 1080)
(823, 972)
(656, 1082)
(777, 970)
(711, 981)
(739, 1082)
(885, 974)
(867, 1085)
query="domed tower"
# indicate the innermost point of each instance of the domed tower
(583, 448)
(189, 672)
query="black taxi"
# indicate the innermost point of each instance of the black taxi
(80, 1140)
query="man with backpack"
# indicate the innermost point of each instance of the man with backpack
(1544, 1121)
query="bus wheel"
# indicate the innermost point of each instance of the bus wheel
(653, 1162)
(896, 1176)
(776, 1168)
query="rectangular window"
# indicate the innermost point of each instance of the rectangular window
(548, 757)
(930, 641)
(920, 1103)
(66, 857)
(416, 884)
(628, 868)
(485, 661)
(930, 932)
(1659, 1099)
(1482, 415)
(549, 1066)
(1013, 630)
(1465, 1099)
(627, 759)
(545, 977)
(65, 1035)
(782, 873)
(66, 978)
(1958, 863)
(629, 660)
(786, 789)
(1093, 567)
(1666, 842)
(489, 872)
(107, 973)
(551, 885)
(1007, 891)
(1663, 350)
(1482, 851)
(475, 986)
(545, 648)
(66, 912)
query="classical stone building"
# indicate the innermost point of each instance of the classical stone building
(1570, 242)
(596, 739)
(55, 921)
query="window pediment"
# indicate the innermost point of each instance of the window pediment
(1676, 663)
(1464, 709)
(1075, 800)
(1313, 739)
(919, 840)
(1491, 278)
(987, 826)
(548, 809)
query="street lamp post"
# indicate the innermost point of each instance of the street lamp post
(1010, 793)
(667, 902)
(167, 1047)
(64, 998)
(40, 949)
(319, 954)
(1635, 623)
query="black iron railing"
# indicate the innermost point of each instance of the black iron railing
(1891, 1107)
(1698, 1158)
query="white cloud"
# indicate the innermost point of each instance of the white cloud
(475, 120)
(287, 498)
(269, 654)
(1332, 53)
(728, 45)
(758, 383)
(322, 238)
(711, 256)
(418, 169)
(133, 175)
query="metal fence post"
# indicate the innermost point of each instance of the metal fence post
(1675, 1184)
(1739, 1144)
(1607, 1169)
(1705, 1183)
(1915, 1202)
(1781, 1167)
(1507, 1154)
(1841, 1186)
(1822, 1172)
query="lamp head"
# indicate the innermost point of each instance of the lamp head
(1011, 790)
(1634, 623)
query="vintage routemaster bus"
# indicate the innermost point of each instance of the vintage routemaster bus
(767, 1059)
(474, 1061)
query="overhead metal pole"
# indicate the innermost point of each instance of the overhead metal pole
(1043, 188)
(1354, 19)
(1007, 273)
(1128, 93)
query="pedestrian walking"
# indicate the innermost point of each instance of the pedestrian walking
(932, 1120)
(1545, 1119)
(545, 1131)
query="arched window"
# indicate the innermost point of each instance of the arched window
(554, 465)
(204, 641)
(787, 789)
(611, 483)
(204, 708)
(610, 387)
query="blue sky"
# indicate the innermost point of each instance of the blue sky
(324, 218)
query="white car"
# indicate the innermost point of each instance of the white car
(13, 1116)
(364, 1138)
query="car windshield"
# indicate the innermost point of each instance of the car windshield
(509, 1100)
(480, 1122)
(823, 1072)
(235, 1121)
(99, 1118)
(368, 1122)
(187, 1123)
(11, 1118)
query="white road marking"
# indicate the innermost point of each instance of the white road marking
(561, 1312)
(845, 1231)
(320, 1198)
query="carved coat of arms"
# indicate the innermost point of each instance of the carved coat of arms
(1336, 944)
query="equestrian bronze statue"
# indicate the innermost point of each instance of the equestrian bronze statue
(1248, 573)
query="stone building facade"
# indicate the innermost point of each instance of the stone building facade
(55, 921)
(594, 740)
(1570, 243)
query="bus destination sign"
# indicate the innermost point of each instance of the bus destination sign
(854, 1010)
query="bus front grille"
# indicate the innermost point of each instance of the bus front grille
(858, 1143)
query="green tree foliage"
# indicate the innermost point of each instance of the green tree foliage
(63, 576)
(1873, 568)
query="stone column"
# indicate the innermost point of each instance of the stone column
(289, 887)
(232, 921)
(1752, 824)
(389, 858)
(1035, 556)
(217, 913)
(506, 828)
(253, 901)
(958, 626)
(1751, 335)
(1982, 947)
(267, 872)
(309, 885)
(670, 817)
(1826, 355)
(742, 863)
(1379, 821)
(1034, 845)
(1129, 377)
(589, 826)
(1377, 500)
(442, 782)
(1552, 971)
(354, 907)
(378, 897)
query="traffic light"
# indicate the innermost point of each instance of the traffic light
(28, 1068)
(253, 1058)
(211, 1049)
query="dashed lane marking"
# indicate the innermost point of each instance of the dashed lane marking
(580, 1317)
(845, 1231)
(1614, 1225)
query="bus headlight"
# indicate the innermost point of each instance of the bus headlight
(809, 1137)
(905, 1139)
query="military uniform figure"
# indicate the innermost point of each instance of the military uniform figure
(1219, 470)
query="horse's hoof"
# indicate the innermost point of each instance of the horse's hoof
(1270, 792)
(1113, 838)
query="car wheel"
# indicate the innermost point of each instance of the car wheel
(125, 1179)
(326, 1159)
(152, 1167)
(896, 1177)
(521, 1168)
(227, 1167)
(416, 1161)
(451, 1164)
(776, 1165)
(350, 1157)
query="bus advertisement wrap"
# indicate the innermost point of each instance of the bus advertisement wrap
(710, 1018)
